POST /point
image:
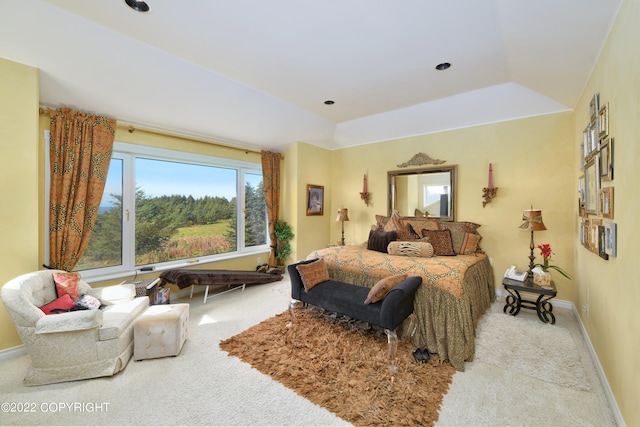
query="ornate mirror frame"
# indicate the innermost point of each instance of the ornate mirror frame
(441, 178)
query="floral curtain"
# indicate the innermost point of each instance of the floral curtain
(271, 182)
(80, 151)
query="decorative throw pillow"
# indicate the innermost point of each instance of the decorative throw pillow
(382, 288)
(62, 304)
(441, 242)
(67, 283)
(87, 302)
(381, 221)
(415, 249)
(465, 243)
(379, 240)
(313, 273)
(466, 226)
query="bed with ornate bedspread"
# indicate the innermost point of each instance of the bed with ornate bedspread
(455, 292)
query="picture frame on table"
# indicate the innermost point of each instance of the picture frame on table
(606, 202)
(592, 185)
(610, 238)
(606, 160)
(315, 200)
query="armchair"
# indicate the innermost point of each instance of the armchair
(75, 345)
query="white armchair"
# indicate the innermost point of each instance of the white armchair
(74, 345)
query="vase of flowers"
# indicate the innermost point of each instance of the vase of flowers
(545, 251)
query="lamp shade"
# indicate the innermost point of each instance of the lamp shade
(532, 220)
(343, 214)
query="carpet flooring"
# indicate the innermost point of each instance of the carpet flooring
(342, 365)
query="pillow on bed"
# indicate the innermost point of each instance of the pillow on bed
(415, 249)
(403, 229)
(379, 240)
(465, 243)
(313, 273)
(382, 288)
(441, 242)
(466, 226)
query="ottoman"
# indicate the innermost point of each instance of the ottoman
(160, 331)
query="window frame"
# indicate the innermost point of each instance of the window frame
(127, 152)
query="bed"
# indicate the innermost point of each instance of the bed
(456, 290)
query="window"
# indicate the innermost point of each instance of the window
(169, 209)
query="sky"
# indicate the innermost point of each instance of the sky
(162, 178)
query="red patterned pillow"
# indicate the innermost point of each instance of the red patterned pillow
(441, 242)
(67, 283)
(62, 303)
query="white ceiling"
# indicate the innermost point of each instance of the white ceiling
(257, 72)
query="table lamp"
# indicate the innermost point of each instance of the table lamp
(343, 215)
(532, 222)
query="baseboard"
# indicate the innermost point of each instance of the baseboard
(10, 353)
(603, 378)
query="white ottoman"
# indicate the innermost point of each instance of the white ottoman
(160, 331)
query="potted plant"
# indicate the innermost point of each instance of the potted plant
(284, 235)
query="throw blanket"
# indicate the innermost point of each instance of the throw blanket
(185, 278)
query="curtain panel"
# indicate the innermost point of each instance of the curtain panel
(80, 152)
(271, 182)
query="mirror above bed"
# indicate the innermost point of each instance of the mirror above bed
(416, 191)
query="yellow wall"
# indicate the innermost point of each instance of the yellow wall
(19, 208)
(306, 164)
(532, 165)
(610, 288)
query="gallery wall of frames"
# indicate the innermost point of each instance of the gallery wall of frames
(595, 185)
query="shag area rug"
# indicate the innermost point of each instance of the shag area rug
(342, 365)
(540, 350)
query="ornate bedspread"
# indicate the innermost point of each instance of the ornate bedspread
(455, 292)
(446, 273)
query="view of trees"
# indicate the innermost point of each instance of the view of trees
(176, 227)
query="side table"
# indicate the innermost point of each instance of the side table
(542, 305)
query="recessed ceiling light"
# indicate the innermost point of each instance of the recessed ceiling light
(329, 102)
(443, 66)
(138, 5)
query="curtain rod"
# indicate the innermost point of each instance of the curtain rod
(132, 128)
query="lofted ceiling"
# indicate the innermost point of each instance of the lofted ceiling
(257, 72)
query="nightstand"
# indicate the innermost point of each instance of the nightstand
(541, 305)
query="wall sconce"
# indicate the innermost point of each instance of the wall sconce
(343, 215)
(489, 192)
(532, 222)
(365, 193)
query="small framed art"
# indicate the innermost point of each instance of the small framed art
(315, 199)
(603, 121)
(606, 160)
(610, 230)
(594, 107)
(606, 202)
(592, 185)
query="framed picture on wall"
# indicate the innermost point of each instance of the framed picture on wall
(592, 185)
(315, 199)
(603, 121)
(606, 202)
(610, 230)
(606, 160)
(594, 107)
